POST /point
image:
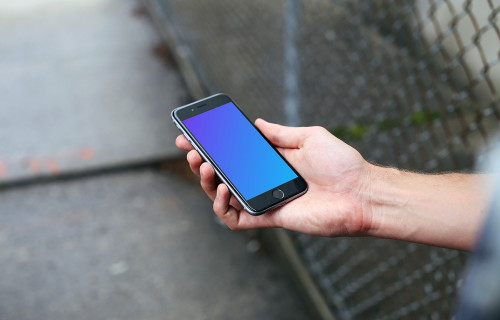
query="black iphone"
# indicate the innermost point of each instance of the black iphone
(254, 171)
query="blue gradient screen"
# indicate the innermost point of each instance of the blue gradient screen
(239, 150)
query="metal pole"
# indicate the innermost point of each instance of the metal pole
(291, 75)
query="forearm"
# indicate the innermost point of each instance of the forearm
(445, 210)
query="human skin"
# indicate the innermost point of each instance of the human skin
(349, 196)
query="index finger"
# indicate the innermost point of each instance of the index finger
(182, 143)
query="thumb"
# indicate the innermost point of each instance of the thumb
(281, 136)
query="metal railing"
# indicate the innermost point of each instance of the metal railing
(412, 84)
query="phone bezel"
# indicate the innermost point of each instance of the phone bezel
(261, 203)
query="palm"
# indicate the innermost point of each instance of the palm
(333, 171)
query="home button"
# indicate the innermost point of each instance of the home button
(278, 194)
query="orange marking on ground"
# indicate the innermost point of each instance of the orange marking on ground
(3, 169)
(53, 166)
(87, 154)
(34, 166)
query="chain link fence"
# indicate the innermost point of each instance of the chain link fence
(411, 84)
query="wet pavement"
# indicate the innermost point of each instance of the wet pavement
(84, 92)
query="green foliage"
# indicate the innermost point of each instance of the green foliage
(357, 131)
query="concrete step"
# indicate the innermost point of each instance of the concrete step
(82, 86)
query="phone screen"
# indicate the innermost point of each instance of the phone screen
(239, 150)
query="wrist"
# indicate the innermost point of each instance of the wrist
(387, 199)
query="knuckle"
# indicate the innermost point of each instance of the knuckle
(319, 129)
(204, 166)
(232, 226)
(204, 186)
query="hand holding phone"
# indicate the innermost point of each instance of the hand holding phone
(335, 172)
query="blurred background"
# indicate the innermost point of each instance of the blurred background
(101, 219)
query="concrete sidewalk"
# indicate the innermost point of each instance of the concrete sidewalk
(135, 245)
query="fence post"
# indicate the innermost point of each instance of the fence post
(291, 74)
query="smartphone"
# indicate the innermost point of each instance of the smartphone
(254, 171)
